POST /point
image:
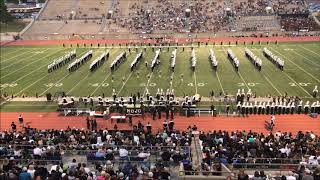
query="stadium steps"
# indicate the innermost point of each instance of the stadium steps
(196, 151)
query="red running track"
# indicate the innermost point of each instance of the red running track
(178, 40)
(284, 123)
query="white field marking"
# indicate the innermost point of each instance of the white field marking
(18, 56)
(315, 64)
(298, 66)
(219, 82)
(243, 80)
(310, 50)
(195, 81)
(31, 85)
(78, 83)
(171, 80)
(274, 87)
(237, 72)
(100, 84)
(55, 83)
(297, 84)
(32, 63)
(145, 90)
(27, 74)
(22, 59)
(8, 54)
(123, 84)
(82, 78)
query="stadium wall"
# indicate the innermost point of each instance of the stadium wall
(173, 41)
(127, 36)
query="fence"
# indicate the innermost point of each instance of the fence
(57, 155)
(268, 163)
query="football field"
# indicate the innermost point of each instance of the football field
(24, 71)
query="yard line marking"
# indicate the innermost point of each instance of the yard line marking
(123, 84)
(22, 59)
(77, 83)
(31, 85)
(244, 80)
(195, 81)
(269, 81)
(12, 52)
(28, 73)
(297, 66)
(145, 90)
(106, 76)
(100, 84)
(18, 56)
(238, 72)
(310, 50)
(55, 83)
(32, 63)
(297, 84)
(171, 80)
(219, 82)
(274, 87)
(82, 78)
(315, 64)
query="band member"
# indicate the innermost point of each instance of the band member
(171, 124)
(165, 125)
(20, 118)
(315, 91)
(149, 127)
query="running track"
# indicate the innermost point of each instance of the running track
(284, 123)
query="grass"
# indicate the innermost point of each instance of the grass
(29, 107)
(24, 72)
(12, 27)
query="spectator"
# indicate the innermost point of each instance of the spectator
(242, 175)
(24, 175)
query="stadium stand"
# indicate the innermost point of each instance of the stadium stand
(162, 17)
(257, 23)
(58, 10)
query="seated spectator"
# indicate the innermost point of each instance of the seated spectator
(242, 175)
(100, 154)
(37, 153)
(123, 153)
(24, 175)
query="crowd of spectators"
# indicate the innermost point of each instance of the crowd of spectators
(299, 23)
(239, 145)
(165, 15)
(254, 149)
(139, 154)
(103, 148)
(204, 16)
(260, 7)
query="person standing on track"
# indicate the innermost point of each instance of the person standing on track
(13, 126)
(272, 121)
(20, 118)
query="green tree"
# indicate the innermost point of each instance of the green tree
(5, 16)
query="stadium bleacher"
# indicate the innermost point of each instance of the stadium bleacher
(163, 16)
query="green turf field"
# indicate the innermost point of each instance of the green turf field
(24, 72)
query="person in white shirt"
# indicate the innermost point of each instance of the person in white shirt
(273, 121)
(313, 160)
(17, 153)
(37, 152)
(123, 153)
(31, 170)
